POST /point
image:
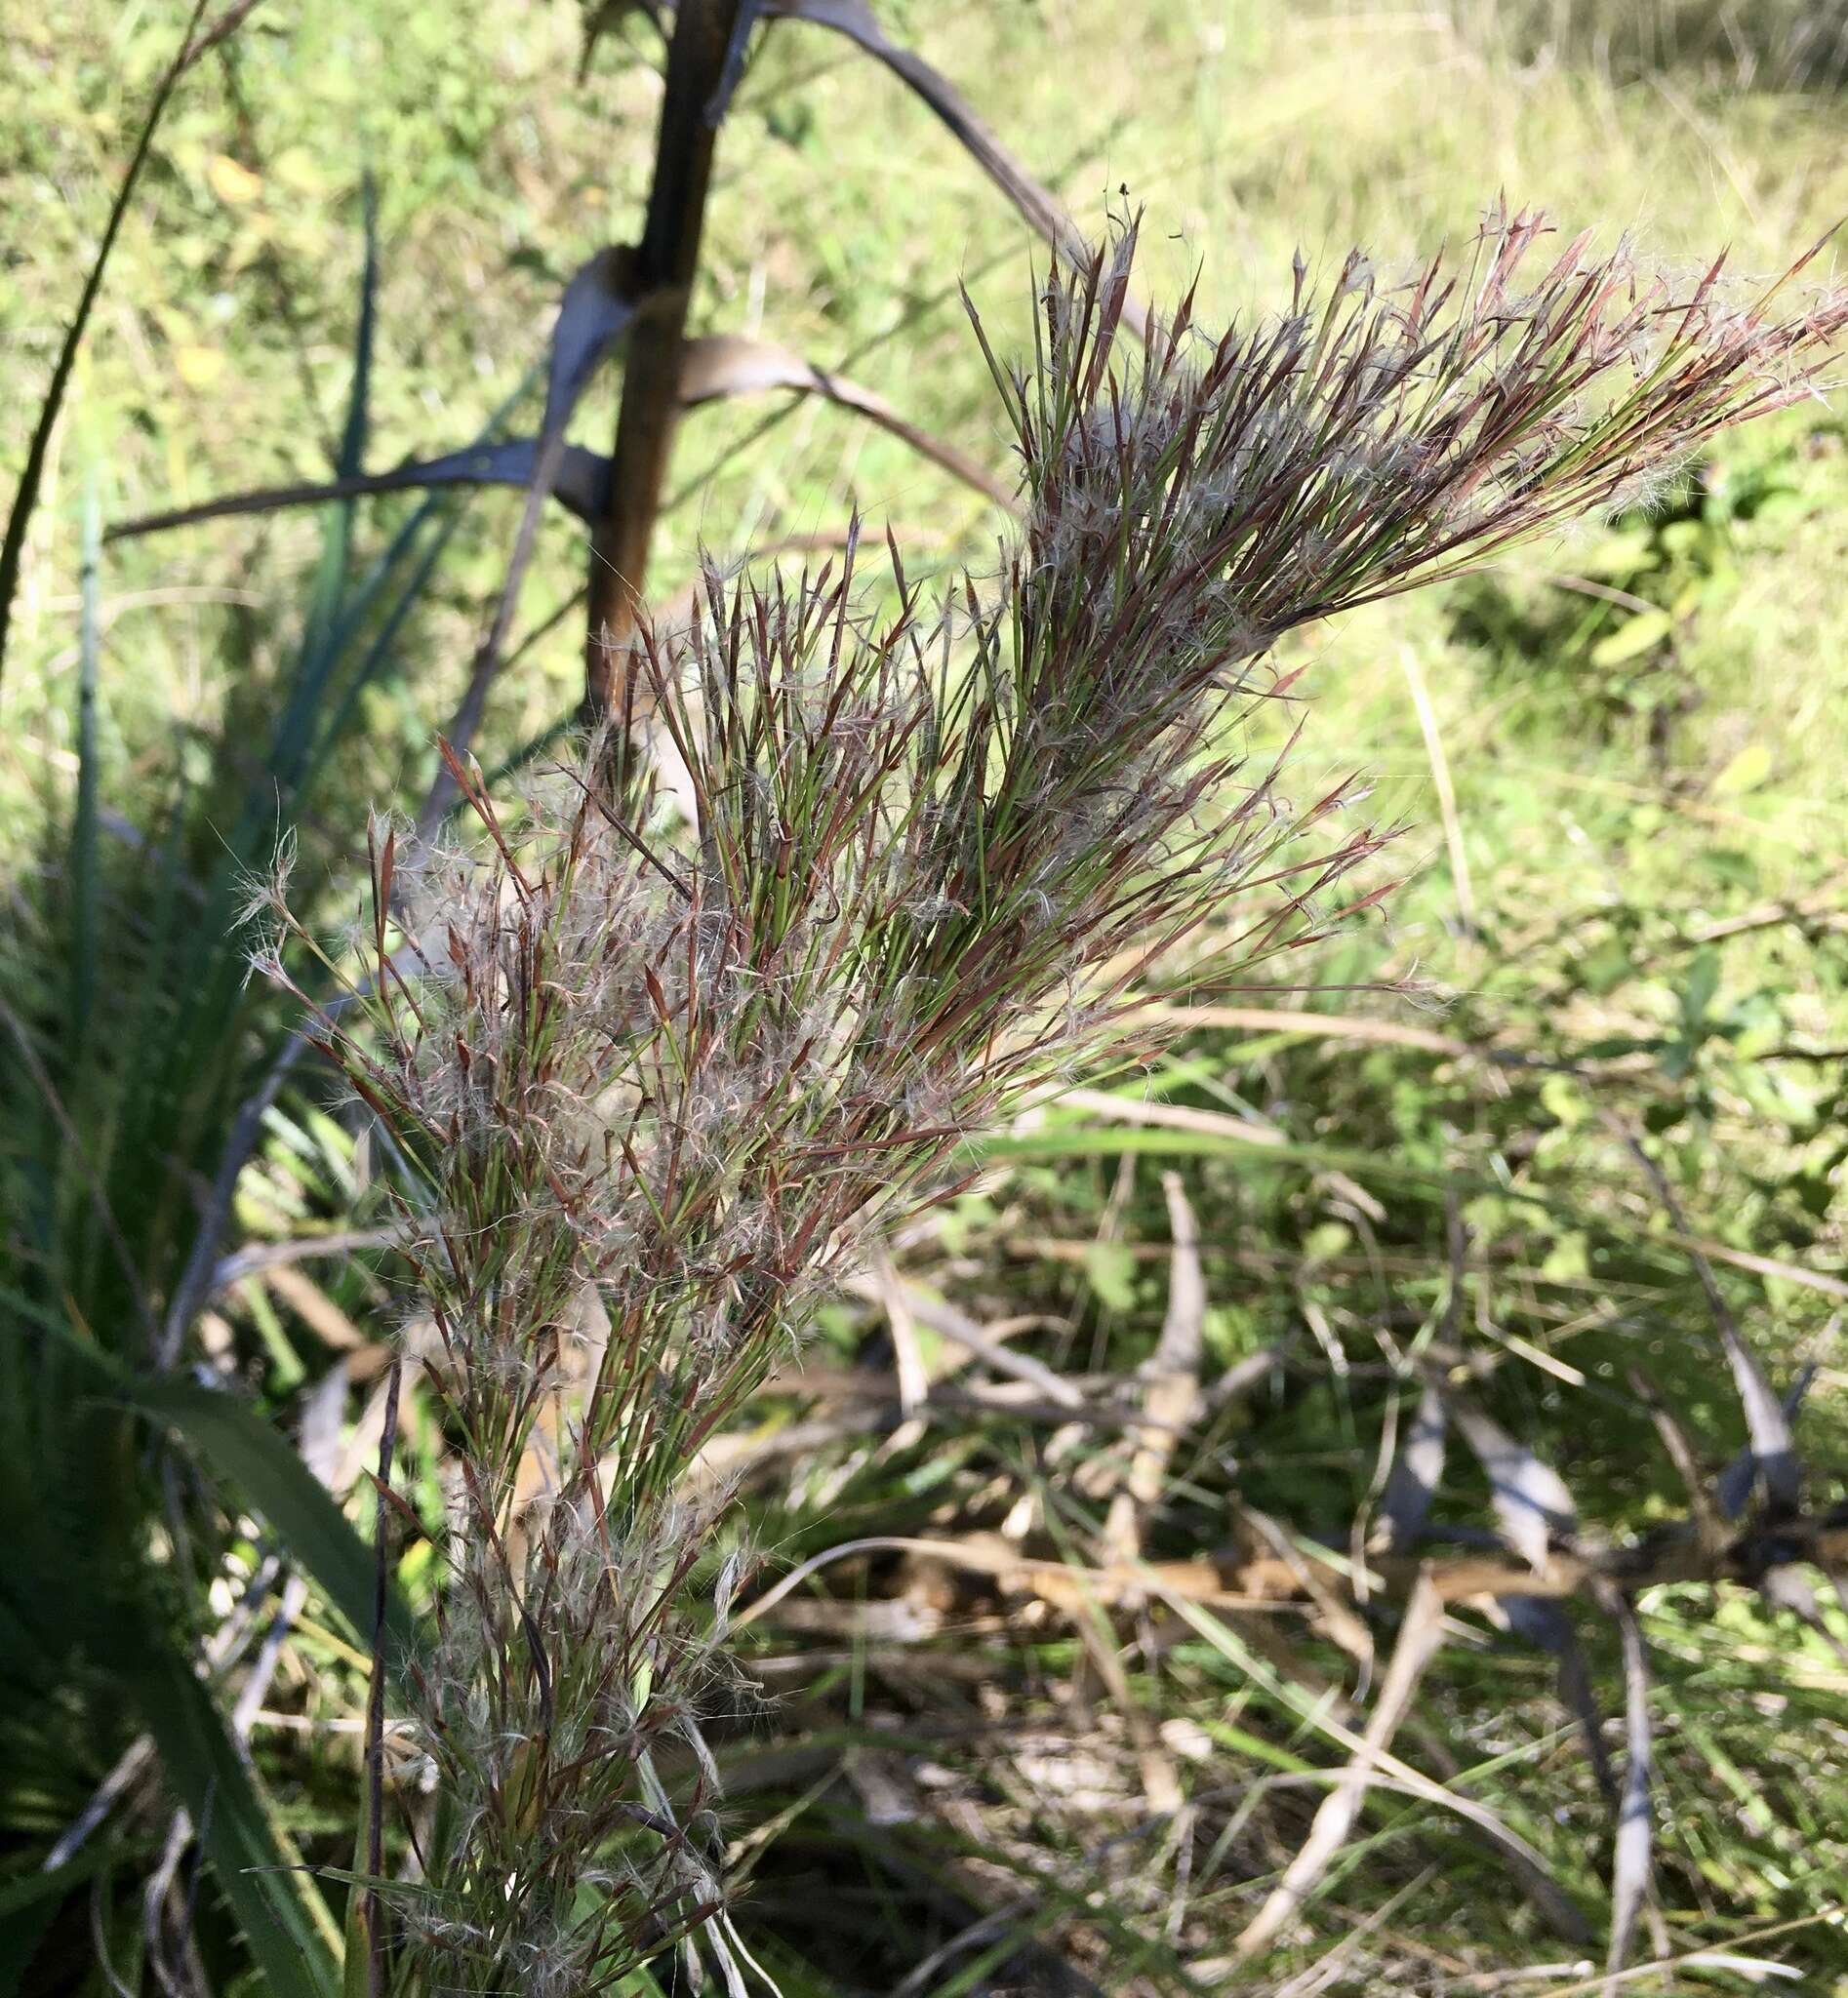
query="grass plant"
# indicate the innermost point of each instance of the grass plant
(1083, 1446)
(656, 1068)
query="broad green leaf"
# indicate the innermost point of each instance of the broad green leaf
(243, 1448)
(1633, 638)
(1744, 772)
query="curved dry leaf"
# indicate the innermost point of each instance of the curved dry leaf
(597, 309)
(1171, 1384)
(599, 304)
(583, 477)
(724, 364)
(606, 20)
(1416, 1472)
(1772, 1456)
(1531, 1501)
(1553, 1904)
(1419, 1635)
(1042, 213)
(1183, 1343)
(719, 366)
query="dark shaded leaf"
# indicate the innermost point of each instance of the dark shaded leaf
(743, 22)
(854, 20)
(1417, 1471)
(606, 20)
(1736, 1481)
(275, 1901)
(29, 1904)
(715, 368)
(1541, 1620)
(599, 304)
(358, 424)
(723, 365)
(581, 480)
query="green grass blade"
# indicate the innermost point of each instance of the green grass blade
(379, 650)
(84, 916)
(25, 499)
(277, 1904)
(29, 1904)
(240, 1445)
(353, 437)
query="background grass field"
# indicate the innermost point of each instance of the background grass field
(1625, 895)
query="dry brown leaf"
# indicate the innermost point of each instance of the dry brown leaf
(314, 1308)
(1042, 213)
(723, 365)
(1420, 1636)
(1635, 1817)
(1171, 1392)
(974, 1338)
(1170, 1117)
(1416, 1472)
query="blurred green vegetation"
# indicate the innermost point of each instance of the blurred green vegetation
(1637, 907)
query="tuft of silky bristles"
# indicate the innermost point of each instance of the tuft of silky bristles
(653, 1069)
